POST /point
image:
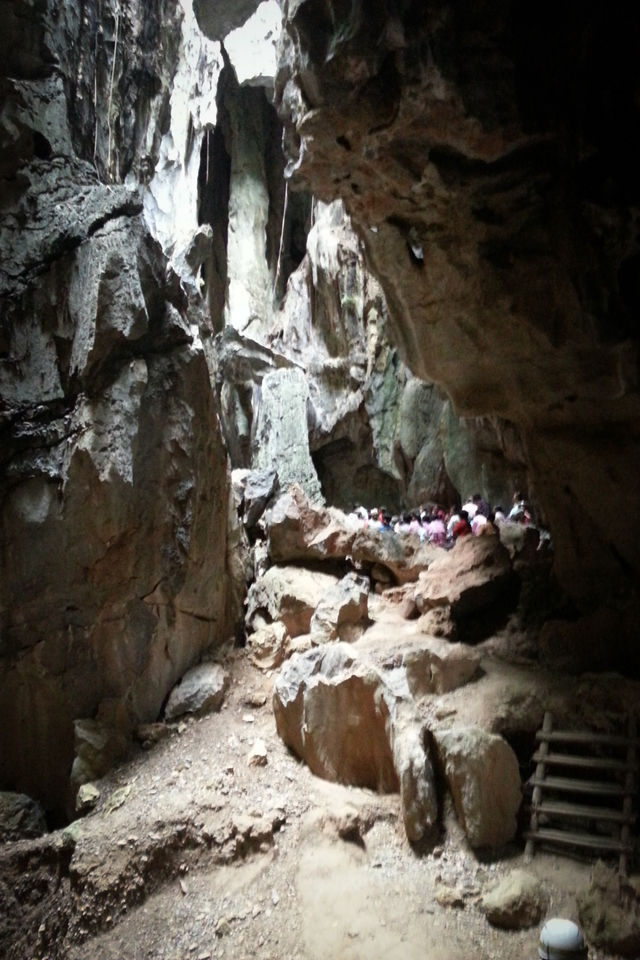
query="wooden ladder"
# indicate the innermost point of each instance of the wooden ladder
(554, 809)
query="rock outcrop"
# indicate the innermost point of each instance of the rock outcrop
(114, 482)
(335, 712)
(484, 161)
(301, 531)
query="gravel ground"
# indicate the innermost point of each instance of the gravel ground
(194, 853)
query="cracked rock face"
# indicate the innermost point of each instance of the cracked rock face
(485, 160)
(114, 480)
(382, 747)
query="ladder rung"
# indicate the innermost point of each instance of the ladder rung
(586, 763)
(560, 809)
(583, 736)
(571, 785)
(577, 839)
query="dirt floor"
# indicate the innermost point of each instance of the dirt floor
(194, 853)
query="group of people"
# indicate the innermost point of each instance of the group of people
(474, 518)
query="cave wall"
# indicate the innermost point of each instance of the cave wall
(487, 165)
(290, 277)
(114, 567)
(487, 155)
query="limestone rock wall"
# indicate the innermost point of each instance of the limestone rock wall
(114, 488)
(369, 420)
(288, 281)
(487, 154)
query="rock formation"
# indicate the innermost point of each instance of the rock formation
(381, 745)
(485, 159)
(482, 773)
(169, 300)
(114, 481)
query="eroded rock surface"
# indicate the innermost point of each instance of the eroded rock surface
(299, 530)
(343, 611)
(114, 478)
(335, 712)
(288, 595)
(482, 772)
(473, 579)
(609, 911)
(20, 817)
(502, 246)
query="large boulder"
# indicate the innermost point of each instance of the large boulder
(301, 530)
(329, 711)
(343, 611)
(403, 555)
(423, 664)
(472, 576)
(289, 595)
(482, 774)
(335, 712)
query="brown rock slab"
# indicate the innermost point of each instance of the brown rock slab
(470, 577)
(300, 530)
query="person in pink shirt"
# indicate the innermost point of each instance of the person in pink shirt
(436, 529)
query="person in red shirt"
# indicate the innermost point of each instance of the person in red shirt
(462, 527)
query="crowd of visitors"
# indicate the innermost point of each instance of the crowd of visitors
(443, 527)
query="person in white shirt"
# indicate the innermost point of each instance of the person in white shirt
(478, 521)
(470, 508)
